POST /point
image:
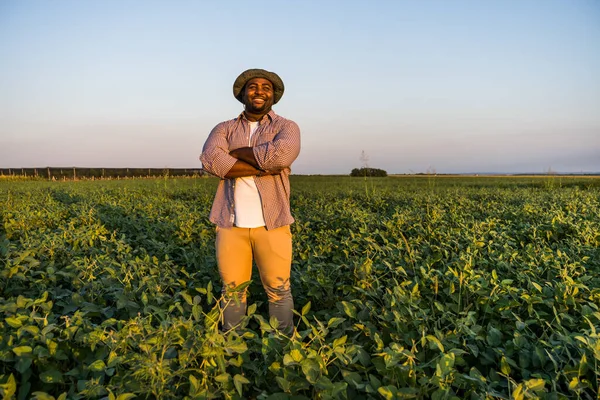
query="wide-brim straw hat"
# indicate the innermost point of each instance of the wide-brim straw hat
(240, 82)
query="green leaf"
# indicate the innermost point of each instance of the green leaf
(238, 347)
(113, 359)
(197, 312)
(238, 381)
(494, 337)
(311, 370)
(209, 293)
(51, 376)
(352, 378)
(435, 341)
(288, 360)
(440, 394)
(504, 367)
(223, 378)
(9, 388)
(306, 308)
(582, 339)
(388, 392)
(23, 364)
(537, 286)
(575, 384)
(535, 384)
(48, 329)
(22, 350)
(31, 329)
(338, 388)
(363, 357)
(188, 299)
(349, 309)
(274, 322)
(212, 319)
(374, 381)
(474, 373)
(201, 290)
(126, 396)
(283, 383)
(14, 322)
(340, 341)
(22, 300)
(264, 325)
(97, 366)
(296, 355)
(242, 286)
(518, 392)
(194, 382)
(446, 363)
(415, 290)
(335, 321)
(583, 365)
(42, 396)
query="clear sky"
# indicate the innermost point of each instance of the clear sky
(446, 86)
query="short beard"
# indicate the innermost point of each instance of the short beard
(265, 108)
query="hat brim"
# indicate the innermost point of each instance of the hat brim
(240, 82)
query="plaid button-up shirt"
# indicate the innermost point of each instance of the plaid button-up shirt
(275, 143)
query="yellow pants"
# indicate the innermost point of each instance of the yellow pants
(272, 252)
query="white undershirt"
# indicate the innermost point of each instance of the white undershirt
(248, 208)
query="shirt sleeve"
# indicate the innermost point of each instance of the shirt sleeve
(280, 152)
(215, 156)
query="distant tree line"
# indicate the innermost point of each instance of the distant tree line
(366, 171)
(97, 173)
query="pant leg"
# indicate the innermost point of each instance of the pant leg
(273, 256)
(234, 259)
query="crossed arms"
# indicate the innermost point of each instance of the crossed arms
(268, 158)
(246, 164)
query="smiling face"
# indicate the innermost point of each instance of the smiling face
(258, 96)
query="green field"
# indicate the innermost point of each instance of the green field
(405, 287)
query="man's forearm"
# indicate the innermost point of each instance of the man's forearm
(242, 168)
(245, 154)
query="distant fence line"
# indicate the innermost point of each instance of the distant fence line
(97, 173)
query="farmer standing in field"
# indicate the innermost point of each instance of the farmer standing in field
(252, 155)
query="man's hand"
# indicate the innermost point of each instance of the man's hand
(270, 172)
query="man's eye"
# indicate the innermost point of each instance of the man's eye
(267, 88)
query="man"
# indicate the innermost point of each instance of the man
(252, 155)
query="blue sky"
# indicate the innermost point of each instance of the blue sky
(445, 86)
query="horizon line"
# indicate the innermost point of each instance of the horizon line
(544, 173)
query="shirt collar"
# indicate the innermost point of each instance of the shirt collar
(269, 116)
